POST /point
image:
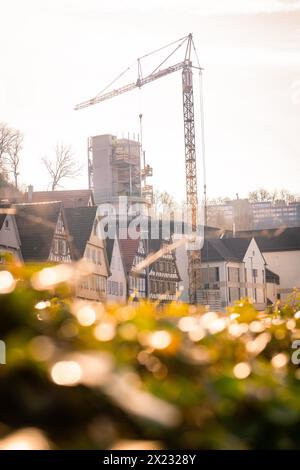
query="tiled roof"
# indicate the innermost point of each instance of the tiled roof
(237, 246)
(36, 225)
(128, 248)
(69, 198)
(2, 218)
(80, 221)
(281, 239)
(225, 249)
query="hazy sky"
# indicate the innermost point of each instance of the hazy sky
(56, 53)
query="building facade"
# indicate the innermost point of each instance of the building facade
(275, 214)
(240, 214)
(281, 250)
(88, 243)
(116, 283)
(232, 269)
(133, 252)
(9, 236)
(163, 275)
(43, 232)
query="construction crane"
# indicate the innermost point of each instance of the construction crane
(186, 66)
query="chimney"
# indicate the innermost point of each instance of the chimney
(29, 193)
(233, 230)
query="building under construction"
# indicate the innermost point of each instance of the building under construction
(115, 170)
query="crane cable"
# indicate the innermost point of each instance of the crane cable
(117, 78)
(164, 47)
(142, 57)
(202, 132)
(203, 144)
(165, 60)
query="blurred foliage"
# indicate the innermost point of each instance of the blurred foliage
(91, 375)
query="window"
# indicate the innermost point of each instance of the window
(61, 247)
(210, 275)
(59, 225)
(102, 284)
(114, 287)
(98, 256)
(254, 274)
(233, 274)
(6, 224)
(234, 293)
(121, 288)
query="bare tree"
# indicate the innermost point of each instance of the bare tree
(62, 166)
(276, 196)
(286, 196)
(259, 195)
(6, 137)
(12, 156)
(164, 202)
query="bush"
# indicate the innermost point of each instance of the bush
(91, 375)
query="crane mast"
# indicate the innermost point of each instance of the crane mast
(194, 261)
(194, 256)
